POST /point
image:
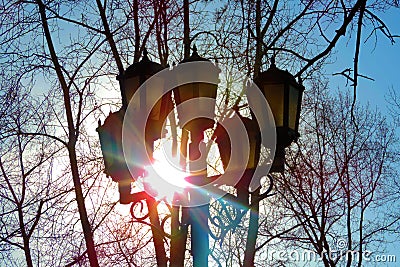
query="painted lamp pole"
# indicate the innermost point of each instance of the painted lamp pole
(195, 106)
(201, 102)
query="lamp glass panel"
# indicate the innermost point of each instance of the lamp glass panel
(210, 91)
(131, 86)
(154, 89)
(293, 106)
(186, 92)
(274, 93)
(252, 155)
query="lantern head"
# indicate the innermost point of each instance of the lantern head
(225, 148)
(191, 91)
(110, 134)
(134, 77)
(284, 96)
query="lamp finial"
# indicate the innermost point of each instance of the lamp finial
(273, 62)
(145, 55)
(300, 80)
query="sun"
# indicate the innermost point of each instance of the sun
(164, 177)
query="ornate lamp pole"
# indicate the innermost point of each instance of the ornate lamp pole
(284, 96)
(110, 134)
(195, 93)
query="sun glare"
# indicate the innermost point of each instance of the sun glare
(164, 177)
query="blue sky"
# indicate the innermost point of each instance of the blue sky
(380, 62)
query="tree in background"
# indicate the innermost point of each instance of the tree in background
(27, 157)
(339, 184)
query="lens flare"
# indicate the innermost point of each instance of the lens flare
(164, 178)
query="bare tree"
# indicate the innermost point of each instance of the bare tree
(26, 172)
(337, 186)
(73, 50)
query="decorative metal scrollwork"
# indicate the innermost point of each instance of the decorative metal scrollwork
(140, 211)
(228, 212)
(142, 205)
(226, 217)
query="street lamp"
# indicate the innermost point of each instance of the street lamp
(193, 91)
(134, 77)
(224, 144)
(197, 117)
(110, 132)
(279, 88)
(284, 96)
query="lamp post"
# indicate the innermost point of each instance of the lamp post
(195, 93)
(134, 77)
(110, 134)
(283, 95)
(224, 146)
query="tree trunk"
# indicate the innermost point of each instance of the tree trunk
(157, 233)
(186, 29)
(72, 135)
